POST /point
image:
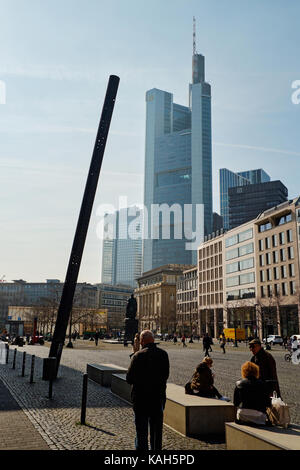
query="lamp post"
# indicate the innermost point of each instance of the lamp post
(235, 340)
(70, 344)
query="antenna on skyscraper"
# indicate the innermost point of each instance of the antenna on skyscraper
(194, 36)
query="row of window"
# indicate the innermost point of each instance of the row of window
(210, 262)
(246, 278)
(186, 296)
(239, 238)
(278, 221)
(277, 290)
(211, 287)
(241, 251)
(210, 250)
(241, 294)
(211, 274)
(210, 299)
(240, 265)
(267, 258)
(266, 243)
(267, 275)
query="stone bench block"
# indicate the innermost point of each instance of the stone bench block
(195, 416)
(101, 373)
(243, 437)
(120, 387)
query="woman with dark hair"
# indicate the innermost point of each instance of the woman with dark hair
(202, 383)
(251, 396)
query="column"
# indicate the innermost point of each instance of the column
(278, 320)
(215, 323)
(258, 321)
(206, 321)
(225, 318)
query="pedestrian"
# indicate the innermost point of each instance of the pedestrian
(251, 396)
(294, 344)
(202, 382)
(206, 344)
(223, 343)
(183, 341)
(148, 374)
(175, 339)
(96, 337)
(267, 366)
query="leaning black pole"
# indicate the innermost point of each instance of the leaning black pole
(66, 301)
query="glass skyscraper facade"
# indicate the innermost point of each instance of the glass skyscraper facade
(229, 179)
(178, 168)
(122, 248)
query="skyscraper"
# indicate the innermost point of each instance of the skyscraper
(229, 179)
(178, 165)
(122, 248)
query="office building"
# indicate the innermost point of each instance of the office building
(187, 303)
(229, 179)
(246, 202)
(178, 168)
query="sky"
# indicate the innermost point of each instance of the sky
(55, 61)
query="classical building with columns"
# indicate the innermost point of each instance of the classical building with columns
(156, 298)
(249, 277)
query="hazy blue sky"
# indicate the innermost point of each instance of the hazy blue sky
(56, 57)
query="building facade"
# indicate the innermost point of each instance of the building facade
(229, 179)
(122, 247)
(156, 298)
(260, 275)
(114, 299)
(246, 202)
(187, 303)
(178, 168)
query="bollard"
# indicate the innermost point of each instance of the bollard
(50, 388)
(14, 359)
(24, 362)
(7, 353)
(32, 369)
(84, 398)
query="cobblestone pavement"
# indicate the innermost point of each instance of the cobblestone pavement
(110, 420)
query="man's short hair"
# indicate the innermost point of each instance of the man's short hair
(255, 341)
(147, 335)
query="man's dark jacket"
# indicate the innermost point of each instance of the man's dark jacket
(252, 393)
(267, 369)
(148, 373)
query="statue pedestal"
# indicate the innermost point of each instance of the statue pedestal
(131, 328)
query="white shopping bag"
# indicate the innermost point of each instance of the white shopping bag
(2, 353)
(278, 413)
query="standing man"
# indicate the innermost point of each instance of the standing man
(223, 343)
(206, 344)
(148, 374)
(96, 337)
(267, 365)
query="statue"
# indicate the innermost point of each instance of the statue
(131, 308)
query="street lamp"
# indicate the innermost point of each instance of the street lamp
(70, 344)
(235, 339)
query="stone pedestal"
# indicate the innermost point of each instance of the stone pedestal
(131, 328)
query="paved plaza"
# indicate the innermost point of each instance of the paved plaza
(110, 421)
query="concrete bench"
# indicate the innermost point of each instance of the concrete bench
(195, 416)
(101, 373)
(120, 387)
(243, 437)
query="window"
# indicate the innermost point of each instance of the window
(231, 254)
(261, 260)
(274, 240)
(232, 281)
(281, 238)
(246, 249)
(292, 269)
(268, 258)
(262, 276)
(232, 268)
(260, 245)
(245, 235)
(231, 241)
(246, 264)
(283, 272)
(292, 287)
(246, 278)
(247, 293)
(275, 257)
(270, 291)
(282, 254)
(233, 295)
(262, 291)
(276, 273)
(267, 243)
(291, 252)
(276, 289)
(264, 227)
(289, 235)
(269, 275)
(284, 288)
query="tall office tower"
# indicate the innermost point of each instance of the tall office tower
(229, 179)
(247, 202)
(122, 247)
(178, 167)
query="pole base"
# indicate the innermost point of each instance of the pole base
(70, 345)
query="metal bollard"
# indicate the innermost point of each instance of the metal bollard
(7, 353)
(14, 359)
(32, 369)
(84, 398)
(24, 362)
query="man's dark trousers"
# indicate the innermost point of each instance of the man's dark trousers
(153, 417)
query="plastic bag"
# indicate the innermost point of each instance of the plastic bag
(279, 413)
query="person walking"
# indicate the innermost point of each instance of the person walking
(183, 341)
(96, 337)
(206, 344)
(294, 344)
(148, 373)
(267, 366)
(223, 343)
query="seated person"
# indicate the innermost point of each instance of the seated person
(251, 396)
(202, 383)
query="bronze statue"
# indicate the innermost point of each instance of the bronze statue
(131, 308)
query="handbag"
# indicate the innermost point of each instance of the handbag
(251, 416)
(278, 412)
